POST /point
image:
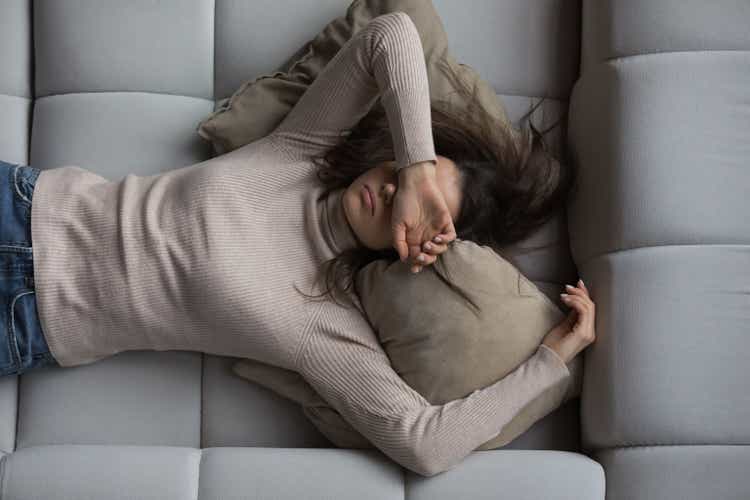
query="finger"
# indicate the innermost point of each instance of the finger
(448, 233)
(414, 251)
(445, 233)
(581, 319)
(579, 293)
(574, 299)
(442, 238)
(577, 303)
(582, 285)
(575, 290)
(399, 242)
(426, 259)
(433, 248)
(417, 238)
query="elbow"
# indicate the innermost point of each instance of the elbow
(428, 468)
(427, 452)
(428, 464)
(428, 472)
(433, 458)
(417, 461)
(422, 469)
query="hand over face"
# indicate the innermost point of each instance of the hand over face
(420, 213)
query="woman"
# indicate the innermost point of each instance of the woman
(208, 257)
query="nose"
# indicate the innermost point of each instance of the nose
(388, 190)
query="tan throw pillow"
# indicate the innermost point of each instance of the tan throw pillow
(258, 106)
(435, 340)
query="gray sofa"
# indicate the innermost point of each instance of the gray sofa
(657, 96)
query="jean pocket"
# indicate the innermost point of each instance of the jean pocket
(24, 178)
(27, 342)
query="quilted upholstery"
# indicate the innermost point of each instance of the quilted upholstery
(659, 122)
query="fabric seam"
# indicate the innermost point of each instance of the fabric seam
(306, 335)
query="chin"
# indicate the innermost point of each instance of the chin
(349, 209)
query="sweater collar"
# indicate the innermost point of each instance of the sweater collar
(336, 227)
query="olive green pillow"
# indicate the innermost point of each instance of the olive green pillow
(437, 342)
(258, 106)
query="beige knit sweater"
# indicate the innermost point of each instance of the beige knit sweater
(206, 257)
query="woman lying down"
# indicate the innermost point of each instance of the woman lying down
(213, 257)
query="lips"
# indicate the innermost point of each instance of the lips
(369, 198)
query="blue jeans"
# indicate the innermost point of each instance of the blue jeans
(22, 343)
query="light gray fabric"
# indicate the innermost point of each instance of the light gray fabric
(675, 472)
(520, 475)
(101, 392)
(86, 472)
(622, 28)
(15, 51)
(82, 472)
(662, 145)
(15, 80)
(161, 126)
(679, 314)
(500, 37)
(169, 48)
(659, 229)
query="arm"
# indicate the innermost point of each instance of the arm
(386, 59)
(354, 374)
(291, 385)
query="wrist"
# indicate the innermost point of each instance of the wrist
(418, 169)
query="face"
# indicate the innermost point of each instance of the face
(374, 231)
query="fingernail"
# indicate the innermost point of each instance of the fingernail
(581, 282)
(420, 258)
(564, 295)
(427, 245)
(438, 239)
(569, 287)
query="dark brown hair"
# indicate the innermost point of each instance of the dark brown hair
(507, 192)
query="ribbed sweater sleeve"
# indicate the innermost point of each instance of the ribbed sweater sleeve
(343, 361)
(384, 59)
